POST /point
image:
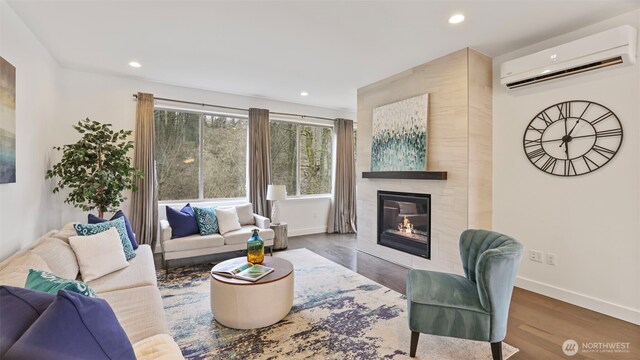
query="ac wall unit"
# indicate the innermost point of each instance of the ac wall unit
(615, 47)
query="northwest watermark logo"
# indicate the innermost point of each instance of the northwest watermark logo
(571, 347)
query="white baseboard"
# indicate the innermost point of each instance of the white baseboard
(307, 231)
(605, 307)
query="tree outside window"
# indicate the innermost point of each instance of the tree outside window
(203, 156)
(301, 157)
(200, 156)
(177, 154)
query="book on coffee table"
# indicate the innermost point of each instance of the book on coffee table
(246, 271)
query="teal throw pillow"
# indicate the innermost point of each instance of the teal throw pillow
(50, 283)
(119, 224)
(207, 220)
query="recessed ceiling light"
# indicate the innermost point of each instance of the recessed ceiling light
(456, 19)
(134, 64)
(546, 71)
(304, 93)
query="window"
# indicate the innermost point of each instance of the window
(284, 158)
(301, 157)
(315, 159)
(177, 160)
(200, 156)
(224, 157)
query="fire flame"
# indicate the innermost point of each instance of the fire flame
(405, 226)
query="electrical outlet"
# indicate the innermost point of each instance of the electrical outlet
(551, 259)
(539, 256)
(535, 255)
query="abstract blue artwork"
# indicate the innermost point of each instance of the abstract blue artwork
(399, 135)
(7, 122)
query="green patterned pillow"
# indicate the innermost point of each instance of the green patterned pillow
(119, 224)
(207, 220)
(50, 283)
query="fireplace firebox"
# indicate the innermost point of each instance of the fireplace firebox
(404, 222)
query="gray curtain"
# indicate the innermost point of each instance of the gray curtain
(343, 218)
(144, 214)
(259, 160)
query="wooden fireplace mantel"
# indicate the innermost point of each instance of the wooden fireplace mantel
(412, 175)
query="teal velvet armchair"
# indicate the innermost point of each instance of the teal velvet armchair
(474, 306)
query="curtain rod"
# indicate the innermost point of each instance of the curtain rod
(135, 96)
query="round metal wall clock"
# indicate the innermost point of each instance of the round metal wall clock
(572, 138)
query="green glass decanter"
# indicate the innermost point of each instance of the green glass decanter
(255, 248)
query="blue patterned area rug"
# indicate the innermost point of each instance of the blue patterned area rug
(336, 314)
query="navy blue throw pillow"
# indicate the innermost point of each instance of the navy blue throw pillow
(119, 214)
(19, 309)
(183, 223)
(74, 326)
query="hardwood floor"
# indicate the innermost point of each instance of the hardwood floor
(538, 325)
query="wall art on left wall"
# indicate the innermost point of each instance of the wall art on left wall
(7, 122)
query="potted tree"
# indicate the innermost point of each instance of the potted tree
(97, 168)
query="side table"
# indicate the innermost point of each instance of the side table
(281, 239)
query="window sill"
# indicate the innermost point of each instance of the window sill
(231, 201)
(237, 201)
(308, 197)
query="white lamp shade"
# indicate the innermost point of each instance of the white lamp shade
(276, 192)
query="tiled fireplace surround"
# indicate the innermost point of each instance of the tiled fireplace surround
(459, 142)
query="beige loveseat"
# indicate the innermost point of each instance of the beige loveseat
(132, 292)
(199, 245)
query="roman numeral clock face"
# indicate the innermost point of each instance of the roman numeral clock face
(572, 138)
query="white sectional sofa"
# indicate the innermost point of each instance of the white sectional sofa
(132, 292)
(198, 245)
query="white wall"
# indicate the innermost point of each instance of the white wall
(305, 215)
(108, 98)
(591, 222)
(25, 205)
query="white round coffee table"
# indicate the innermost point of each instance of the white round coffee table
(242, 304)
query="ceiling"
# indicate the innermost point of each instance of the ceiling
(278, 49)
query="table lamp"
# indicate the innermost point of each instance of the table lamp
(275, 193)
